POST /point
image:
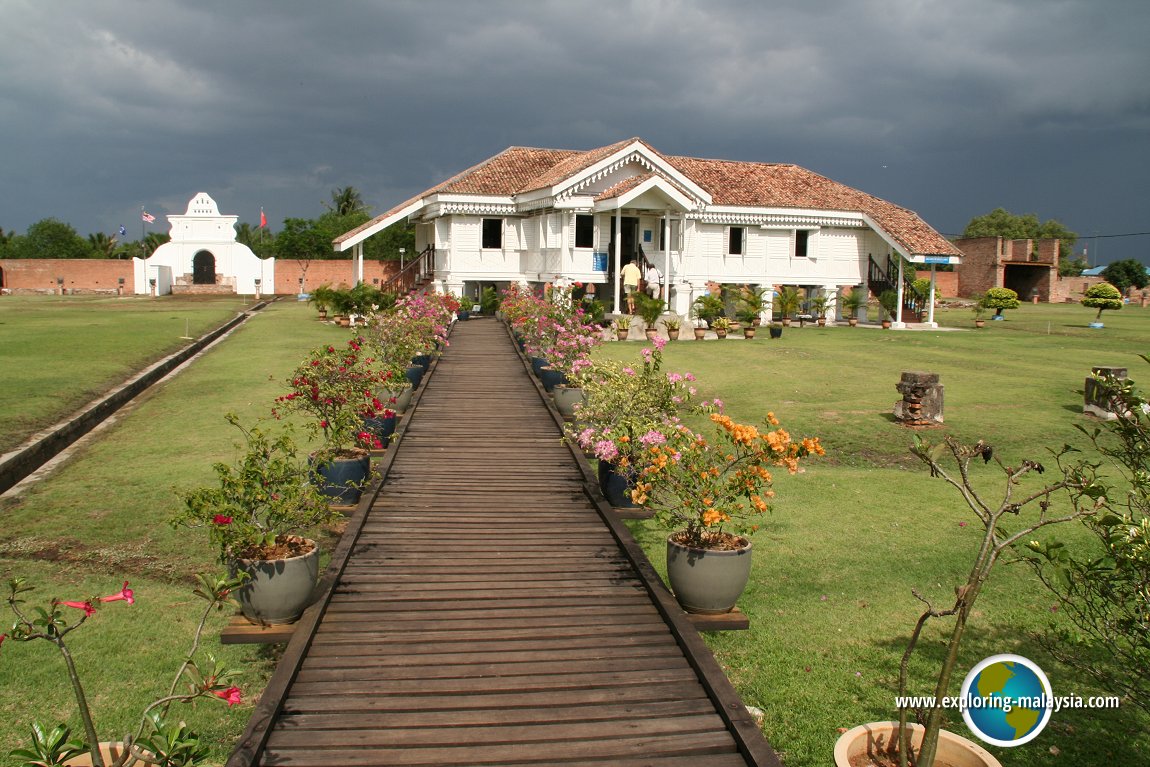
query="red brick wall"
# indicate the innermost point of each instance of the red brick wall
(81, 275)
(979, 270)
(325, 272)
(945, 283)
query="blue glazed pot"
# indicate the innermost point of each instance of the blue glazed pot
(423, 360)
(550, 378)
(414, 375)
(342, 479)
(381, 427)
(537, 364)
(616, 487)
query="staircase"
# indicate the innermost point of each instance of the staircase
(414, 276)
(880, 280)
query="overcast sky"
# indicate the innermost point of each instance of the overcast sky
(948, 108)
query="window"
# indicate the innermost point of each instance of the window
(584, 231)
(735, 240)
(801, 236)
(492, 233)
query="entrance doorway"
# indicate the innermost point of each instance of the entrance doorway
(203, 268)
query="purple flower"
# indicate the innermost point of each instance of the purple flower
(653, 437)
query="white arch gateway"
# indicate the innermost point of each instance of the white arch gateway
(203, 257)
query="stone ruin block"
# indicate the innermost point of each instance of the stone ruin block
(921, 403)
(1097, 396)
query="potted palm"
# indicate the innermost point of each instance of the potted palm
(321, 299)
(888, 300)
(257, 513)
(818, 306)
(851, 303)
(750, 304)
(787, 303)
(710, 491)
(1008, 525)
(707, 308)
(979, 309)
(650, 309)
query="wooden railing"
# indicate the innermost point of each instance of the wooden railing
(413, 275)
(880, 280)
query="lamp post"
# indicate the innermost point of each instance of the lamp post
(60, 284)
(257, 288)
(401, 252)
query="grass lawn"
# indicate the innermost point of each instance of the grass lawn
(59, 353)
(102, 519)
(830, 596)
(829, 600)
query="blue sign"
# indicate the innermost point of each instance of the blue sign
(598, 262)
(936, 260)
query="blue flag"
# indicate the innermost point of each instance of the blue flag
(123, 231)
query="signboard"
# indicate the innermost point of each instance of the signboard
(598, 262)
(936, 260)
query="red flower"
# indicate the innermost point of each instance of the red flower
(221, 519)
(125, 595)
(231, 695)
(2, 638)
(85, 606)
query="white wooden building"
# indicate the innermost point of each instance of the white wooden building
(544, 215)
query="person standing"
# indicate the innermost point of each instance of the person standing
(630, 275)
(654, 280)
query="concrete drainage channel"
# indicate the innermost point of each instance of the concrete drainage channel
(50, 443)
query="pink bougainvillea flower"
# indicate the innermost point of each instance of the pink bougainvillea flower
(125, 595)
(231, 696)
(221, 519)
(962, 524)
(85, 606)
(2, 638)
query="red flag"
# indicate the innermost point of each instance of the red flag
(146, 216)
(263, 220)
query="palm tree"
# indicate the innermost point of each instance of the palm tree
(103, 246)
(345, 201)
(152, 241)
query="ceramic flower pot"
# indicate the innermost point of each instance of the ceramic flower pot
(876, 736)
(381, 427)
(616, 487)
(551, 377)
(707, 581)
(402, 398)
(277, 590)
(110, 751)
(342, 479)
(414, 375)
(566, 398)
(700, 333)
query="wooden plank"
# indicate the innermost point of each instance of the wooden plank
(242, 631)
(486, 609)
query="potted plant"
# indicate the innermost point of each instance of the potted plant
(979, 309)
(342, 304)
(709, 491)
(650, 309)
(321, 298)
(622, 326)
(1102, 296)
(673, 322)
(888, 300)
(775, 329)
(157, 739)
(1008, 525)
(337, 389)
(721, 325)
(1000, 299)
(851, 303)
(625, 410)
(750, 304)
(708, 307)
(257, 514)
(818, 304)
(787, 303)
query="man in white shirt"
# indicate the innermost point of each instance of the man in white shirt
(654, 281)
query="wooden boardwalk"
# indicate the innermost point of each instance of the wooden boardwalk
(488, 609)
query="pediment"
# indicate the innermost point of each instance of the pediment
(634, 161)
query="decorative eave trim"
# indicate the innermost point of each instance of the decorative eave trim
(634, 152)
(470, 205)
(780, 218)
(684, 202)
(378, 226)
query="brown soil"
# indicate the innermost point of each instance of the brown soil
(885, 759)
(285, 546)
(716, 541)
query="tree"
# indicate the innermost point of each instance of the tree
(49, 238)
(1002, 223)
(345, 201)
(103, 246)
(1102, 296)
(1000, 299)
(154, 240)
(1125, 274)
(1104, 592)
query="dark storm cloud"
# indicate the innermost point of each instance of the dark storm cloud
(948, 108)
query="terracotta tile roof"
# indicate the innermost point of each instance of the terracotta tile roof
(759, 185)
(623, 187)
(779, 185)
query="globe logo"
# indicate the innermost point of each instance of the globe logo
(1007, 700)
